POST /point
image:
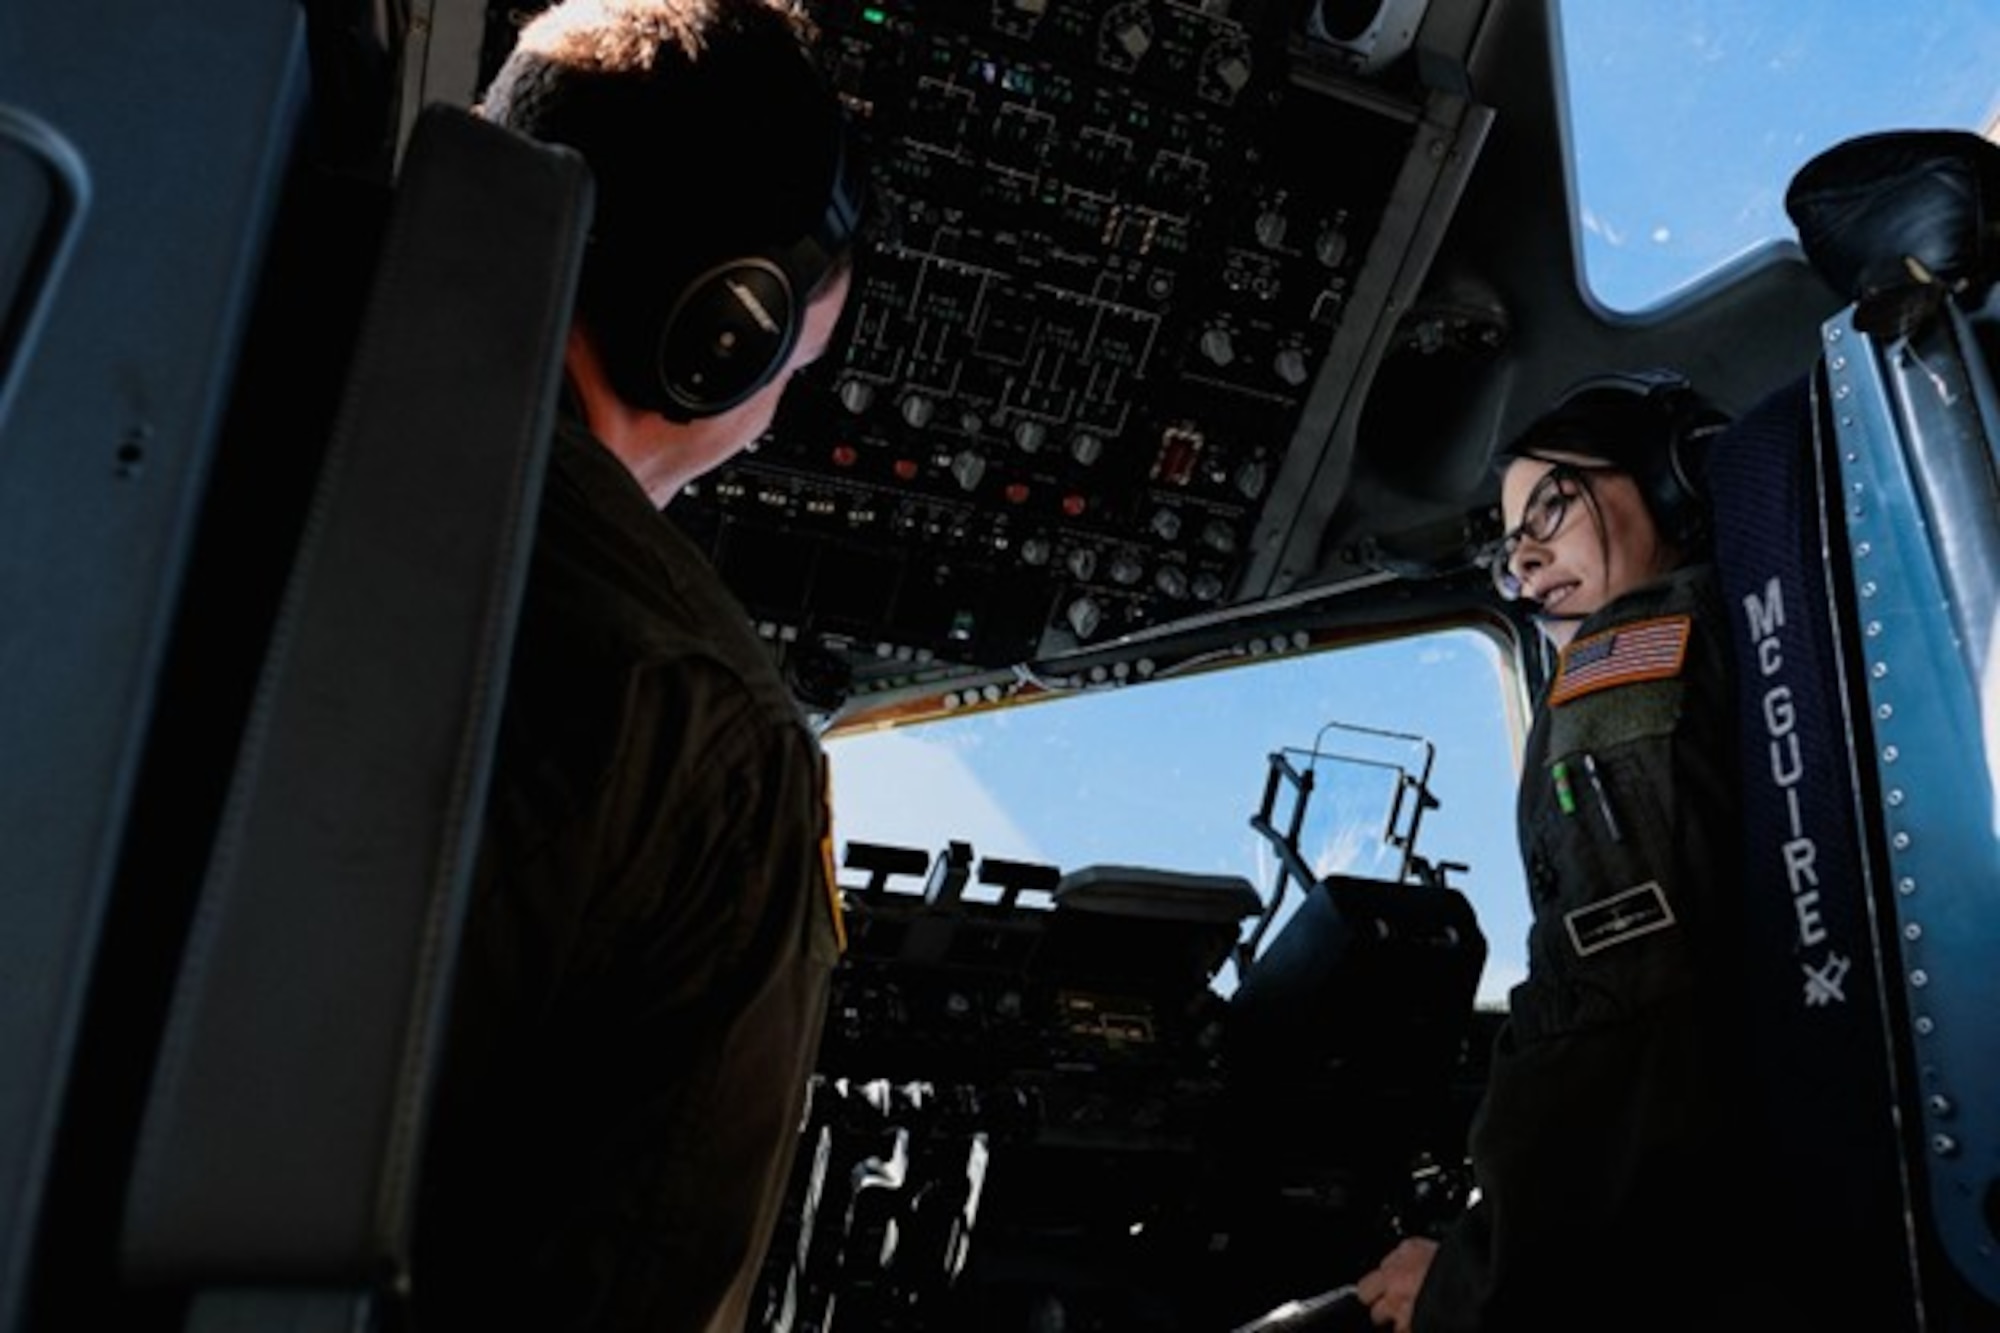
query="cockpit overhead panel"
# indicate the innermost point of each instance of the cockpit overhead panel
(1094, 337)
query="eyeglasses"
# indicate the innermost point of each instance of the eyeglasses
(1542, 518)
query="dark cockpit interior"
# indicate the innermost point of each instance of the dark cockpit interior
(1178, 326)
(1169, 315)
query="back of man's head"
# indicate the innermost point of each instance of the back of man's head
(711, 137)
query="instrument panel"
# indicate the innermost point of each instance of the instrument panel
(1034, 1107)
(1112, 251)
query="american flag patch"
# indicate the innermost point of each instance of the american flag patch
(1645, 650)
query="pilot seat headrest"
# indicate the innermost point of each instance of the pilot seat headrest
(1885, 217)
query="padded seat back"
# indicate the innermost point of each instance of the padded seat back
(1820, 1096)
(277, 1155)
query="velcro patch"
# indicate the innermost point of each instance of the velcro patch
(1643, 650)
(1640, 910)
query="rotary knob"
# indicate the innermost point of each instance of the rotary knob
(1252, 477)
(1331, 247)
(1084, 616)
(1289, 365)
(968, 468)
(1217, 345)
(857, 396)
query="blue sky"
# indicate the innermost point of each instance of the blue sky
(1691, 116)
(1166, 775)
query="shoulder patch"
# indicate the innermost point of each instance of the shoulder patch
(1643, 650)
(1607, 720)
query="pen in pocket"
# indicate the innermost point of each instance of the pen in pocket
(1603, 798)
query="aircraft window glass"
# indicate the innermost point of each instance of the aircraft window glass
(1689, 117)
(1167, 775)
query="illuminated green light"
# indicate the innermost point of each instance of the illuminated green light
(873, 15)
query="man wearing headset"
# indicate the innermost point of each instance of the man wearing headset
(643, 974)
(1602, 1152)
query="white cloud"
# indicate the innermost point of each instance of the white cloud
(889, 787)
(1599, 227)
(1500, 976)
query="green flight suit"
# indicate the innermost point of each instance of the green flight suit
(1602, 1150)
(645, 967)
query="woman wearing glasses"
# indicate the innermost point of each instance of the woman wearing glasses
(1602, 1151)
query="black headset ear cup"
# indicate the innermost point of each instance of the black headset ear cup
(1677, 487)
(727, 336)
(731, 330)
(1680, 489)
(1670, 477)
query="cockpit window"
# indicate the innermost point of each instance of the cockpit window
(1687, 118)
(1166, 776)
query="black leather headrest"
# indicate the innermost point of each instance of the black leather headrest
(1905, 214)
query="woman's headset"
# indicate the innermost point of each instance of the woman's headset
(1654, 426)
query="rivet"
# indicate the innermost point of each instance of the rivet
(1906, 886)
(1861, 550)
(1923, 1025)
(1919, 978)
(1880, 670)
(1944, 1145)
(1890, 754)
(1874, 628)
(1913, 932)
(1841, 392)
(1885, 712)
(1896, 796)
(1868, 588)
(1901, 842)
(1940, 1104)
